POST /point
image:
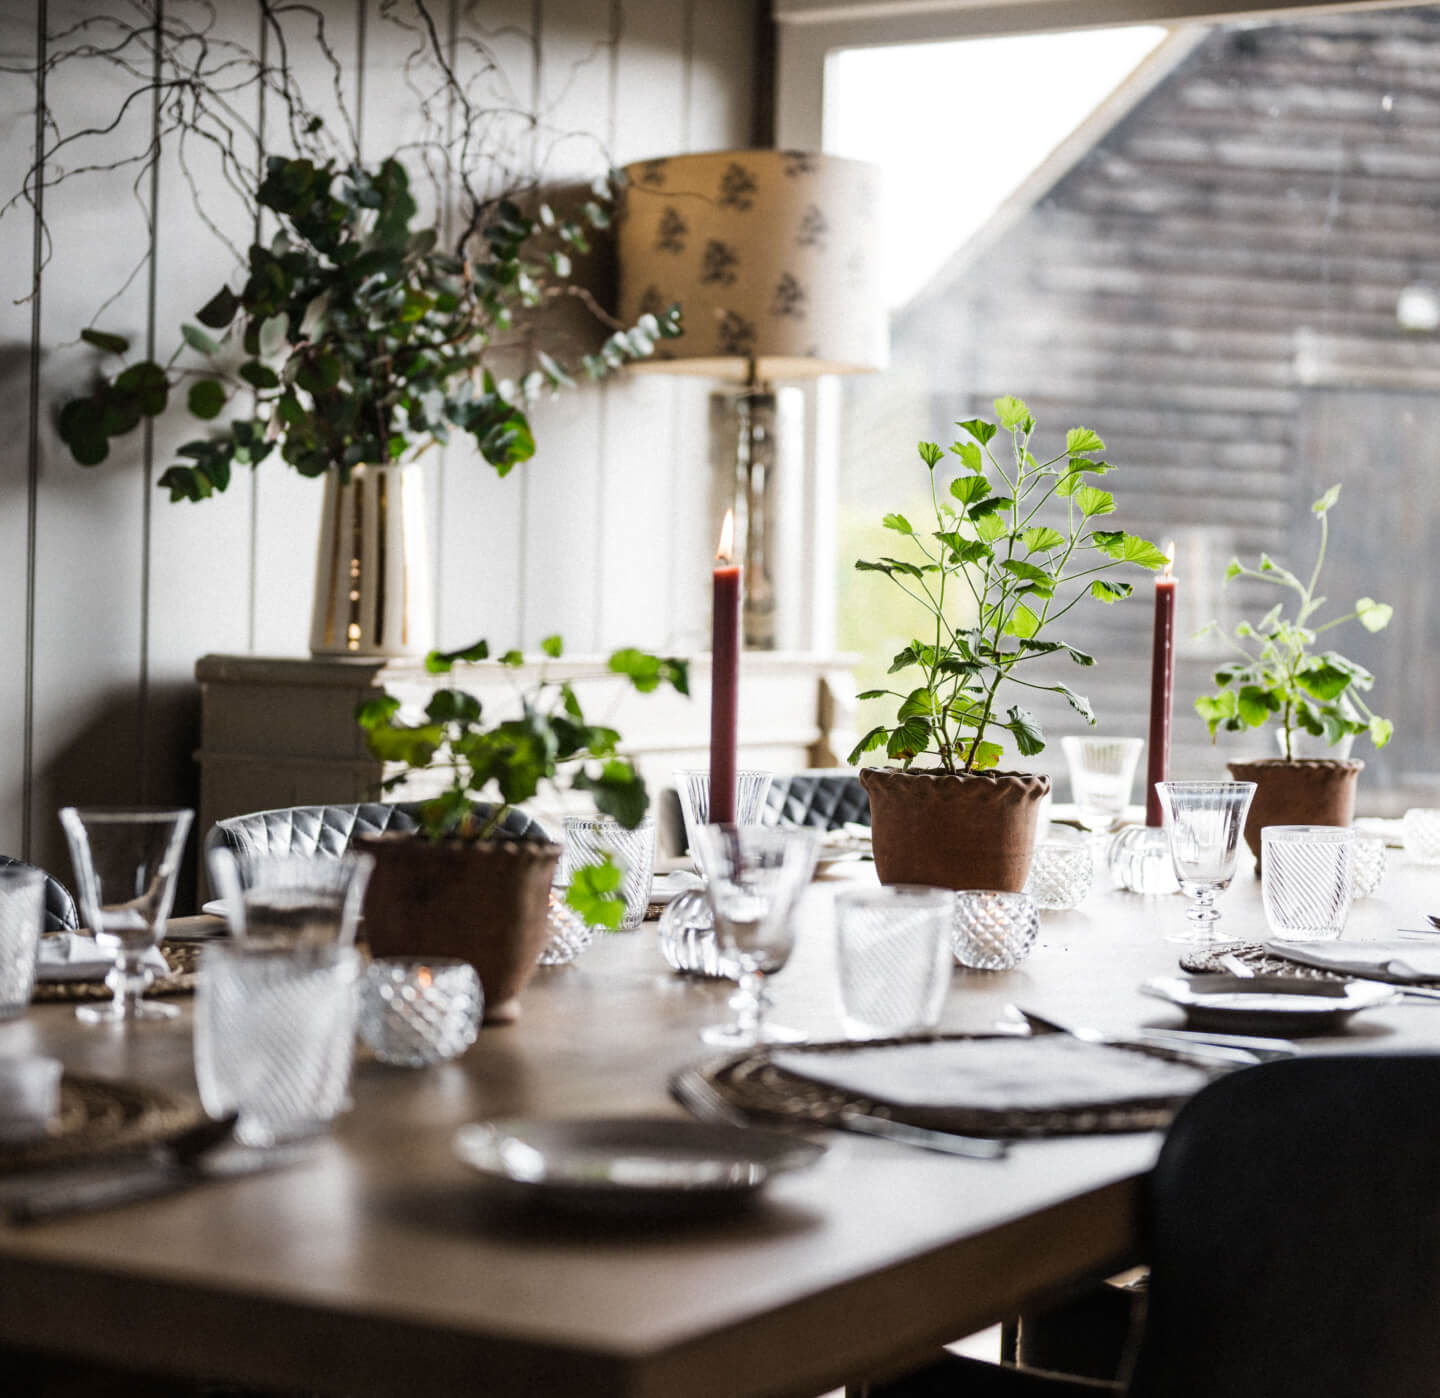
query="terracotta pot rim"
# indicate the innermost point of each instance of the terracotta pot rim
(1290, 764)
(397, 839)
(939, 774)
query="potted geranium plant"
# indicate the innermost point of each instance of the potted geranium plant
(1280, 674)
(1016, 543)
(354, 343)
(461, 885)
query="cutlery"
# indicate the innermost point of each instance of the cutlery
(1205, 1049)
(1434, 920)
(1235, 966)
(1240, 970)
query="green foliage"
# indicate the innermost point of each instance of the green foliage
(991, 578)
(512, 758)
(1277, 671)
(360, 338)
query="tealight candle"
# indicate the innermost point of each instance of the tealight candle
(416, 1012)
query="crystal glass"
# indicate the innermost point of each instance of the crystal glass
(1306, 880)
(693, 788)
(125, 867)
(687, 937)
(275, 1036)
(570, 934)
(993, 931)
(1061, 873)
(588, 837)
(415, 1011)
(756, 874)
(1139, 860)
(1367, 860)
(1102, 771)
(22, 916)
(1204, 821)
(893, 956)
(1422, 835)
(291, 900)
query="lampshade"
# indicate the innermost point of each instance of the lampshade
(771, 255)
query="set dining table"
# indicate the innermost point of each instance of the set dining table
(377, 1263)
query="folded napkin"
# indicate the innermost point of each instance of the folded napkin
(1396, 961)
(67, 956)
(1050, 1073)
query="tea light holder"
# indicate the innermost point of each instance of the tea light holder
(1061, 873)
(415, 1012)
(1368, 867)
(992, 930)
(1422, 835)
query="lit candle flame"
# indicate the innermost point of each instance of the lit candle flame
(1169, 558)
(725, 549)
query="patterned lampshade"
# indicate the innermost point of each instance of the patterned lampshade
(771, 255)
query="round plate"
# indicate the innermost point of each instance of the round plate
(639, 1165)
(1286, 1005)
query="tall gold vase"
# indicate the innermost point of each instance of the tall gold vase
(372, 572)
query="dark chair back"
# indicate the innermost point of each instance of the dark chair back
(60, 913)
(825, 800)
(1294, 1236)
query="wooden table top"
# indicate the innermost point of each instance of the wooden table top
(381, 1266)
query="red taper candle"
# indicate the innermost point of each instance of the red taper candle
(1162, 690)
(724, 676)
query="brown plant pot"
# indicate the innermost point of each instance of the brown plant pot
(1297, 791)
(954, 830)
(485, 901)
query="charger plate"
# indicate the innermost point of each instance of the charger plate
(1205, 961)
(752, 1085)
(101, 1117)
(1286, 1005)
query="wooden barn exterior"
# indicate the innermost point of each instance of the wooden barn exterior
(1211, 280)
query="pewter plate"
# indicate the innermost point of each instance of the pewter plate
(1287, 1005)
(631, 1165)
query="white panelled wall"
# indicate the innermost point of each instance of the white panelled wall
(108, 593)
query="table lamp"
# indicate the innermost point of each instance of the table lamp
(773, 258)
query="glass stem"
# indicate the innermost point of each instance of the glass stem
(1202, 909)
(752, 1005)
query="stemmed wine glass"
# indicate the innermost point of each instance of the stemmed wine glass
(125, 865)
(756, 873)
(1204, 821)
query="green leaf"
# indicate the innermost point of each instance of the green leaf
(1374, 616)
(990, 527)
(910, 739)
(898, 523)
(617, 791)
(872, 694)
(1093, 501)
(205, 398)
(274, 335)
(111, 344)
(1254, 705)
(594, 892)
(978, 428)
(1079, 439)
(259, 375)
(1023, 622)
(1128, 548)
(512, 658)
(969, 454)
(1041, 537)
(1028, 572)
(647, 672)
(375, 711)
(968, 489)
(1215, 711)
(1233, 569)
(987, 755)
(1028, 737)
(1078, 702)
(1381, 730)
(148, 383)
(552, 646)
(1103, 590)
(930, 454)
(906, 658)
(219, 310)
(1322, 680)
(440, 662)
(1012, 413)
(453, 706)
(874, 739)
(918, 701)
(197, 339)
(1322, 505)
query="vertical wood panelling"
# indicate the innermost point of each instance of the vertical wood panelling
(17, 133)
(620, 468)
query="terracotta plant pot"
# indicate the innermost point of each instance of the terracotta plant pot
(485, 901)
(954, 830)
(1297, 791)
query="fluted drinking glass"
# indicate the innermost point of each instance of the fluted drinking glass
(1204, 821)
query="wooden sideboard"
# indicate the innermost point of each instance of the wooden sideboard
(281, 732)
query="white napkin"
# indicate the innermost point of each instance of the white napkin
(67, 956)
(1397, 961)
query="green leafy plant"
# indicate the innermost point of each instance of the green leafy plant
(1277, 671)
(512, 757)
(993, 556)
(357, 339)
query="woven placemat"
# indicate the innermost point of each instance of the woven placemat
(748, 1085)
(1205, 961)
(99, 1117)
(183, 959)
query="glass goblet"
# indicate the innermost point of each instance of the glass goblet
(1204, 821)
(125, 867)
(756, 873)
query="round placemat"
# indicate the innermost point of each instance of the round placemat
(1205, 961)
(748, 1085)
(183, 959)
(101, 1117)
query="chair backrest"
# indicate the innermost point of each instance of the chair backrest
(326, 831)
(60, 912)
(1294, 1236)
(824, 800)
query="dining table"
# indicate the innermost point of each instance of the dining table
(378, 1263)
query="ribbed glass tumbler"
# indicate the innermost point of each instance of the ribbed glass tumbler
(893, 949)
(1061, 872)
(993, 931)
(587, 838)
(22, 914)
(418, 1011)
(1368, 863)
(1305, 880)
